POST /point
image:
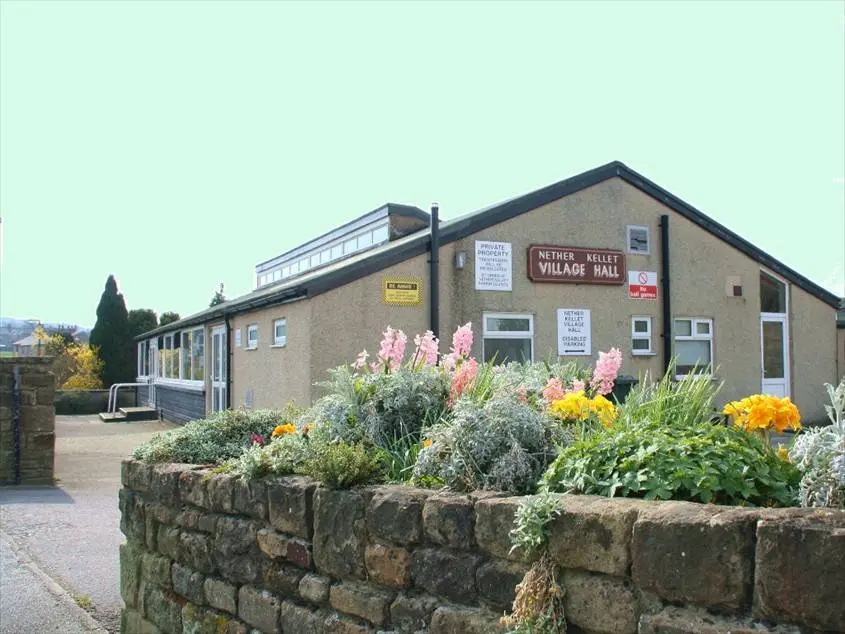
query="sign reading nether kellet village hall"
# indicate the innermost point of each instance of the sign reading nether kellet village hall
(575, 265)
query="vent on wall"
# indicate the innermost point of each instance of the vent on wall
(733, 286)
(249, 398)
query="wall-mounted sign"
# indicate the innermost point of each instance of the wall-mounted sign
(642, 284)
(237, 337)
(401, 291)
(575, 265)
(574, 337)
(493, 266)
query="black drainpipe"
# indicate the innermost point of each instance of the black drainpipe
(434, 260)
(16, 422)
(665, 292)
(228, 363)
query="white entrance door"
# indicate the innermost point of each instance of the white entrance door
(774, 339)
(218, 369)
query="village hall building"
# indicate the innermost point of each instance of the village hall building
(604, 259)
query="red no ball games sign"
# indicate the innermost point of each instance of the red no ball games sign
(642, 284)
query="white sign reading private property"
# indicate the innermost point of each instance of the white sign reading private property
(493, 266)
(573, 332)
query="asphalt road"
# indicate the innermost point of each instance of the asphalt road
(71, 531)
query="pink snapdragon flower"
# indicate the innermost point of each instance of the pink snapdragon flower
(462, 378)
(360, 360)
(606, 370)
(577, 386)
(392, 348)
(522, 394)
(461, 346)
(554, 390)
(427, 348)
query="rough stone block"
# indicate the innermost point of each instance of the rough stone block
(445, 573)
(131, 622)
(195, 551)
(238, 568)
(130, 574)
(139, 475)
(133, 522)
(361, 600)
(412, 613)
(259, 608)
(163, 608)
(221, 595)
(272, 544)
(189, 584)
(395, 514)
(496, 581)
(336, 624)
(161, 513)
(294, 618)
(454, 620)
(388, 565)
(40, 418)
(234, 536)
(281, 579)
(156, 570)
(600, 603)
(221, 492)
(314, 588)
(291, 505)
(800, 569)
(694, 553)
(339, 533)
(193, 488)
(493, 523)
(449, 520)
(299, 554)
(168, 541)
(250, 498)
(676, 620)
(164, 482)
(594, 533)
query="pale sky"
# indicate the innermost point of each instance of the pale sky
(177, 144)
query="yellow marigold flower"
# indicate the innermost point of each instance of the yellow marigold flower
(281, 430)
(764, 412)
(604, 410)
(783, 453)
(427, 442)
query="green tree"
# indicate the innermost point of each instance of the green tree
(219, 297)
(112, 338)
(168, 318)
(142, 320)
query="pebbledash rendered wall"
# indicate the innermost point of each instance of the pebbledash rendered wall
(37, 439)
(214, 554)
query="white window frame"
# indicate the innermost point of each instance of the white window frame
(143, 368)
(694, 336)
(249, 329)
(642, 336)
(628, 248)
(280, 342)
(176, 378)
(513, 334)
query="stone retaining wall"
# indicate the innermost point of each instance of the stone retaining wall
(214, 554)
(37, 438)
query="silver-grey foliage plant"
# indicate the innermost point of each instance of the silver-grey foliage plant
(820, 456)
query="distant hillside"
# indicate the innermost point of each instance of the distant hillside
(13, 329)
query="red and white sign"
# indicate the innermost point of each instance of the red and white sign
(642, 284)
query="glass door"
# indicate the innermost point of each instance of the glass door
(218, 369)
(152, 372)
(774, 340)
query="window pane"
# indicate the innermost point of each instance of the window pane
(186, 355)
(277, 275)
(506, 350)
(772, 295)
(683, 327)
(638, 240)
(198, 356)
(286, 272)
(508, 324)
(315, 260)
(702, 327)
(380, 235)
(772, 350)
(365, 240)
(325, 256)
(350, 245)
(640, 325)
(690, 353)
(337, 251)
(640, 344)
(303, 266)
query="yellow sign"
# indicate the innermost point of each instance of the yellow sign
(401, 291)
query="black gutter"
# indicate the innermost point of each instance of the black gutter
(434, 263)
(665, 292)
(228, 364)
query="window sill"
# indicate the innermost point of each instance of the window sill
(251, 348)
(643, 353)
(279, 345)
(194, 386)
(639, 253)
(696, 377)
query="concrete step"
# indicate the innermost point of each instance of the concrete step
(139, 413)
(116, 417)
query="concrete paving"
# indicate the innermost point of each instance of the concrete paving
(71, 531)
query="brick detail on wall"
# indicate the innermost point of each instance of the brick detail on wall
(203, 554)
(37, 420)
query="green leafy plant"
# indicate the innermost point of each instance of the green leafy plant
(531, 523)
(341, 465)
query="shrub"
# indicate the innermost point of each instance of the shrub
(819, 455)
(700, 463)
(221, 436)
(282, 456)
(503, 444)
(341, 465)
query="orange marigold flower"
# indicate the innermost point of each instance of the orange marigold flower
(281, 430)
(427, 442)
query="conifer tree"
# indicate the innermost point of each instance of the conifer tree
(112, 338)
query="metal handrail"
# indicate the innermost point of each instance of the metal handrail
(112, 408)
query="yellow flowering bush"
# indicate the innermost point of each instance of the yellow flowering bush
(576, 406)
(281, 430)
(762, 412)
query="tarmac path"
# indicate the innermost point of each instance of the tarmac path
(68, 535)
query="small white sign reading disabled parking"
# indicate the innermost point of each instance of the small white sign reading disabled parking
(574, 337)
(493, 266)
